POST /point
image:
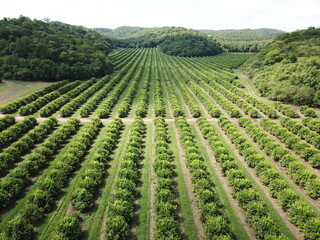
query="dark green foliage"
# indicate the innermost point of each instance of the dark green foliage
(15, 131)
(244, 40)
(19, 229)
(69, 227)
(175, 41)
(189, 45)
(42, 198)
(121, 208)
(24, 144)
(244, 35)
(288, 69)
(120, 32)
(19, 177)
(83, 197)
(34, 50)
(6, 121)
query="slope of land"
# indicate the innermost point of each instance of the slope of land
(176, 41)
(34, 50)
(288, 69)
(208, 161)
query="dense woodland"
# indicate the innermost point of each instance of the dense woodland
(120, 32)
(176, 41)
(288, 69)
(34, 50)
(245, 35)
(244, 40)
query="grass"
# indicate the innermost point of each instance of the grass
(94, 220)
(10, 214)
(295, 187)
(13, 89)
(248, 83)
(273, 212)
(143, 223)
(230, 214)
(189, 227)
(47, 228)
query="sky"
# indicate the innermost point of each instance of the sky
(287, 15)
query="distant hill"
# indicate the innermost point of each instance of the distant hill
(244, 35)
(288, 69)
(244, 40)
(177, 41)
(34, 50)
(103, 30)
(121, 32)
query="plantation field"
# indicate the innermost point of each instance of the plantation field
(164, 148)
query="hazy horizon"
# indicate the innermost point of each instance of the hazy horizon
(286, 15)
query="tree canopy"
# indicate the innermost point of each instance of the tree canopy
(48, 51)
(177, 41)
(121, 32)
(288, 69)
(244, 40)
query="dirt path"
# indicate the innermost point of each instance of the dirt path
(236, 208)
(244, 80)
(273, 201)
(186, 176)
(283, 171)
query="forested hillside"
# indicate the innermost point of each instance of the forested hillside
(176, 41)
(288, 69)
(121, 32)
(244, 35)
(34, 50)
(244, 40)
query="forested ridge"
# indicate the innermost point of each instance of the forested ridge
(288, 69)
(176, 41)
(243, 40)
(35, 50)
(120, 32)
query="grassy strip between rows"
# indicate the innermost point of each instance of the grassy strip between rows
(48, 226)
(271, 210)
(228, 210)
(189, 227)
(94, 220)
(143, 224)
